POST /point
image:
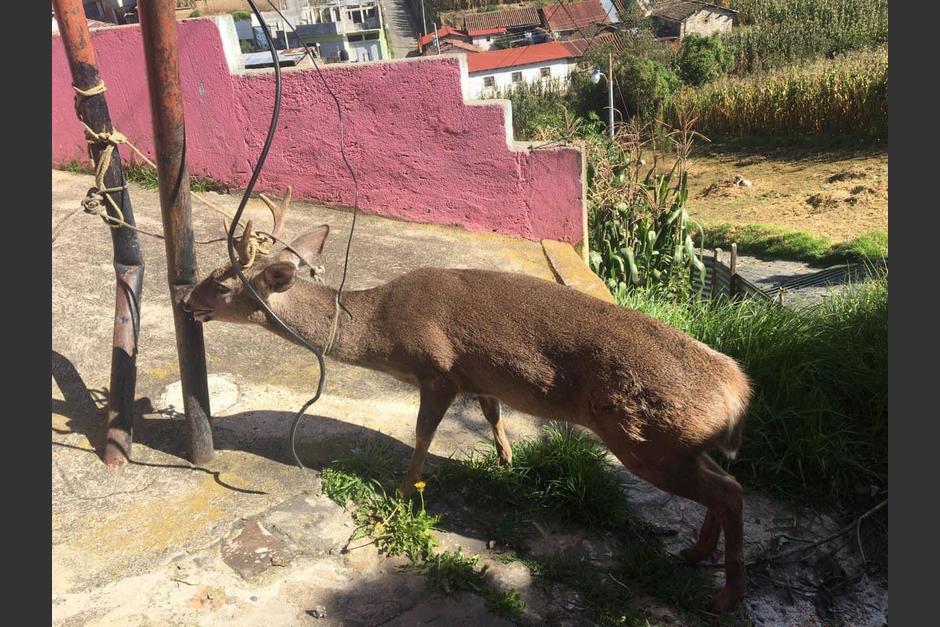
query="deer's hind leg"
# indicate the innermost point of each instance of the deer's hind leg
(491, 409)
(686, 473)
(711, 526)
(436, 397)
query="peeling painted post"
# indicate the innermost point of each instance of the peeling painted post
(161, 52)
(128, 261)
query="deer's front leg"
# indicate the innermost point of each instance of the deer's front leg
(436, 396)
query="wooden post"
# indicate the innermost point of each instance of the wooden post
(161, 53)
(128, 261)
(733, 281)
(714, 287)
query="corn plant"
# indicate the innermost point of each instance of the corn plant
(773, 33)
(640, 231)
(839, 95)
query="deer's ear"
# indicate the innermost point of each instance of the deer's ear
(277, 277)
(310, 244)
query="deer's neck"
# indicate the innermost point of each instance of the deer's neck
(310, 310)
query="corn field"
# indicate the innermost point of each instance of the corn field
(847, 94)
(774, 33)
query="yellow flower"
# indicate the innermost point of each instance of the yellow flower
(420, 485)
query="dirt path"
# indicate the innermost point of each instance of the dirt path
(401, 28)
(837, 194)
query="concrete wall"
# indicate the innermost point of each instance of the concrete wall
(706, 22)
(530, 74)
(421, 152)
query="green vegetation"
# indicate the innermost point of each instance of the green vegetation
(778, 32)
(640, 232)
(562, 477)
(241, 15)
(818, 426)
(703, 59)
(146, 176)
(778, 243)
(821, 71)
(844, 95)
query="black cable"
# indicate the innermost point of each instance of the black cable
(342, 143)
(237, 218)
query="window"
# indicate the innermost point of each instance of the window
(353, 37)
(517, 77)
(370, 36)
(545, 72)
(489, 81)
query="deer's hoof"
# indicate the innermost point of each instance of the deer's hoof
(726, 599)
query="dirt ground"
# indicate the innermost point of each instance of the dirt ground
(839, 194)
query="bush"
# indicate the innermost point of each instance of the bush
(643, 86)
(703, 59)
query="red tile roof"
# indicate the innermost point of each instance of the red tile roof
(598, 42)
(443, 33)
(513, 57)
(483, 32)
(574, 15)
(449, 44)
(528, 16)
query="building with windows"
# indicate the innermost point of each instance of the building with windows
(341, 30)
(497, 71)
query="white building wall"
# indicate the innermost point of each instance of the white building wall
(707, 23)
(486, 43)
(559, 71)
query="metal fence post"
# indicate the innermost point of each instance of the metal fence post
(128, 261)
(161, 52)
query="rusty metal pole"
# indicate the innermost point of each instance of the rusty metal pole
(128, 262)
(161, 51)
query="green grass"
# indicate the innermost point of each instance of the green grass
(146, 177)
(818, 424)
(775, 242)
(561, 478)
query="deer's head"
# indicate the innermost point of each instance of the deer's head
(222, 295)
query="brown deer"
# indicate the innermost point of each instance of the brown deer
(659, 399)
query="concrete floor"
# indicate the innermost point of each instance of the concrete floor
(248, 538)
(125, 539)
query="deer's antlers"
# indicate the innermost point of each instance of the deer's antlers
(250, 243)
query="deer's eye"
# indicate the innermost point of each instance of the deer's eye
(222, 289)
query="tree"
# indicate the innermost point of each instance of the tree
(703, 59)
(645, 86)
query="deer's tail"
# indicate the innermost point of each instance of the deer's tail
(737, 393)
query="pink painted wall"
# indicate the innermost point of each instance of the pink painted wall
(421, 153)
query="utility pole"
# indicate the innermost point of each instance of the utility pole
(424, 20)
(437, 41)
(610, 91)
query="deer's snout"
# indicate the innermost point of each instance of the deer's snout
(185, 301)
